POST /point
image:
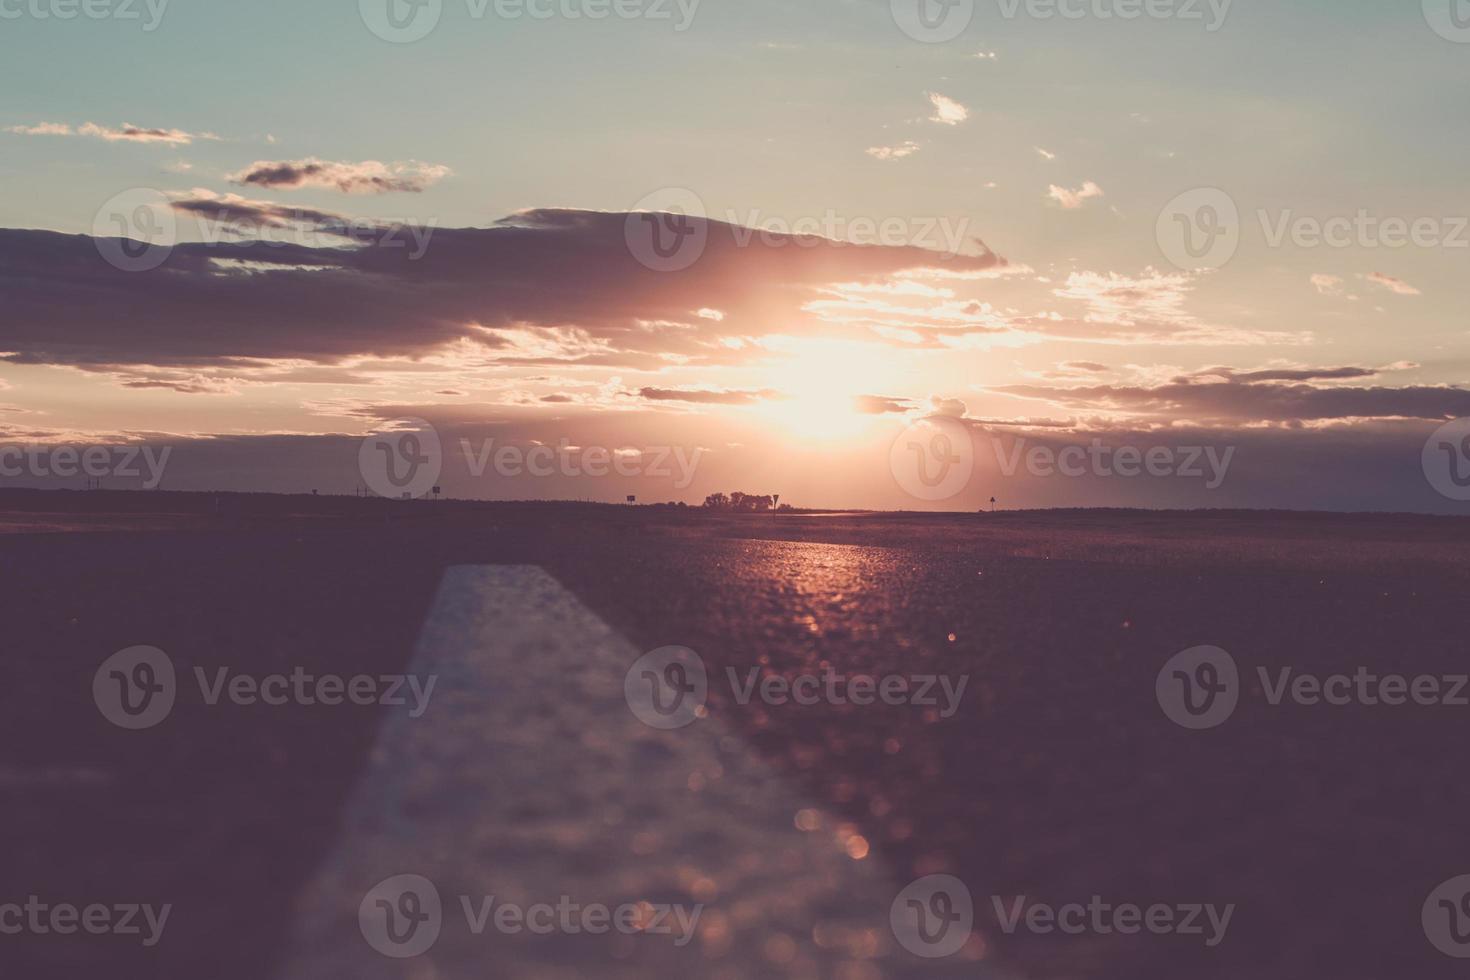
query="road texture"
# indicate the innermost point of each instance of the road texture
(1057, 776)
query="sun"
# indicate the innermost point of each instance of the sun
(824, 416)
(820, 385)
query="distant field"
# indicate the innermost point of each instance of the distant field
(1359, 540)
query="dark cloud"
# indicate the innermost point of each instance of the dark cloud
(881, 405)
(704, 396)
(1231, 402)
(239, 212)
(183, 387)
(569, 276)
(369, 177)
(1289, 374)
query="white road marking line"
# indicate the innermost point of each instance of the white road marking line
(529, 779)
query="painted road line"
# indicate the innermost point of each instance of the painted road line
(530, 779)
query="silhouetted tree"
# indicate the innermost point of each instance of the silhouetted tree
(745, 503)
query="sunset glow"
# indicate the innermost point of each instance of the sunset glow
(1051, 230)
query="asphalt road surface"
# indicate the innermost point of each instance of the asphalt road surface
(1041, 769)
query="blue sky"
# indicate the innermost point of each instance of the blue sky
(1072, 136)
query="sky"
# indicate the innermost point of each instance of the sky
(859, 253)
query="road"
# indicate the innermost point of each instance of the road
(1045, 766)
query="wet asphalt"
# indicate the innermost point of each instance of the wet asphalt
(1054, 774)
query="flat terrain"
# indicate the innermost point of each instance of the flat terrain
(1059, 777)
